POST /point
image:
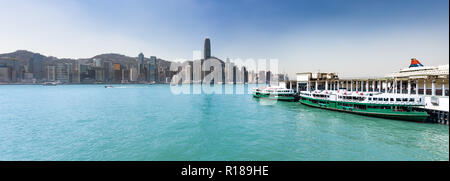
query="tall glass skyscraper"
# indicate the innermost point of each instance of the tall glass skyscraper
(207, 50)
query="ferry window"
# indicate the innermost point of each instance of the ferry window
(380, 99)
(398, 99)
(405, 99)
(386, 99)
(392, 99)
(411, 100)
(361, 106)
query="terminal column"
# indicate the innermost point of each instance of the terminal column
(409, 87)
(379, 86)
(394, 86)
(388, 86)
(326, 85)
(443, 87)
(367, 86)
(425, 87)
(401, 87)
(373, 86)
(433, 87)
(417, 87)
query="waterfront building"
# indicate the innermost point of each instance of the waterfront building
(84, 72)
(51, 73)
(117, 73)
(252, 77)
(230, 72)
(13, 68)
(268, 77)
(261, 77)
(28, 77)
(36, 67)
(63, 72)
(245, 74)
(240, 75)
(140, 67)
(308, 81)
(75, 73)
(97, 62)
(152, 70)
(99, 74)
(133, 74)
(208, 66)
(5, 74)
(108, 71)
(417, 80)
(29, 67)
(125, 75)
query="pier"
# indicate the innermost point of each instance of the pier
(430, 82)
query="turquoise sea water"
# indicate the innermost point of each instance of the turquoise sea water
(148, 122)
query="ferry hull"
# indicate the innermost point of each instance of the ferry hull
(406, 116)
(279, 98)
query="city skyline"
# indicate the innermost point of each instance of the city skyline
(25, 67)
(305, 36)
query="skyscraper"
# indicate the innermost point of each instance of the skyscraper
(153, 70)
(63, 72)
(5, 73)
(51, 73)
(207, 50)
(36, 66)
(140, 70)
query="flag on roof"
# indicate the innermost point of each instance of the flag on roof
(415, 63)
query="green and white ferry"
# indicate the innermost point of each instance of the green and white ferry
(275, 93)
(376, 104)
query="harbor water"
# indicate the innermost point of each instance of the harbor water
(149, 122)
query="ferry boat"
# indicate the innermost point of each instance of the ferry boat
(275, 93)
(50, 84)
(375, 104)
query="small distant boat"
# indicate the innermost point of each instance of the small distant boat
(109, 86)
(275, 93)
(50, 84)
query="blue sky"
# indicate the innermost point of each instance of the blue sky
(350, 37)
